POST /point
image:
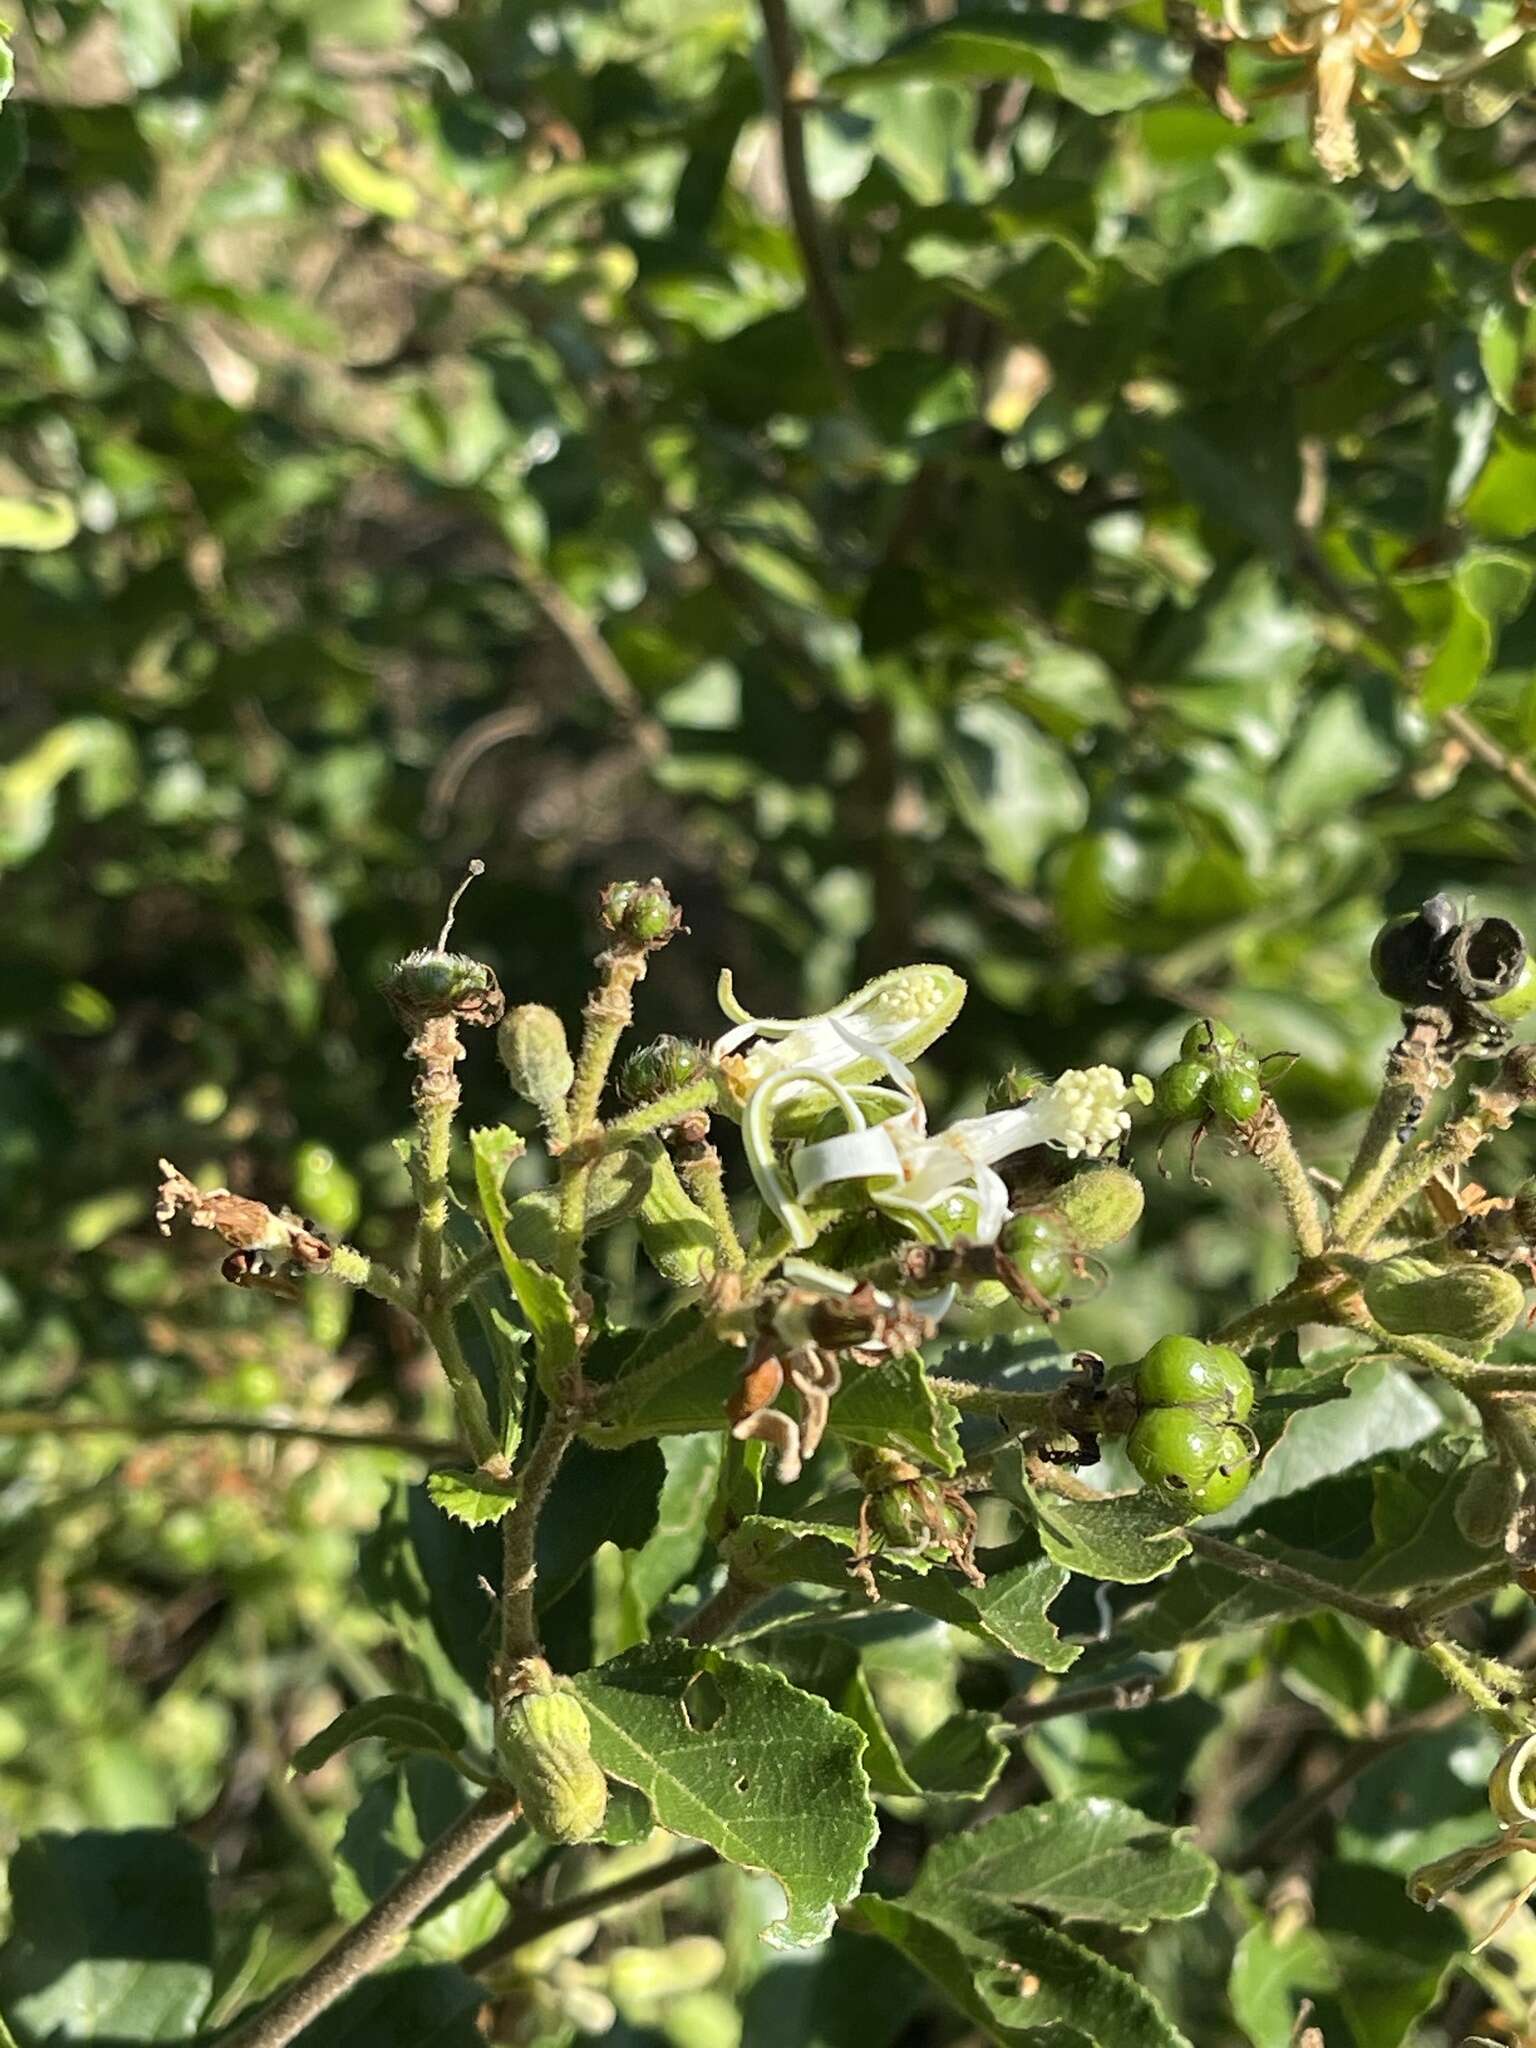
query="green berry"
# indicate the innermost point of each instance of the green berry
(1180, 1092)
(1183, 1372)
(1033, 1230)
(1236, 1092)
(641, 913)
(1193, 1462)
(1046, 1271)
(1207, 1038)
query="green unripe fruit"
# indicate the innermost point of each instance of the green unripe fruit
(656, 1069)
(640, 912)
(1180, 1092)
(1183, 1372)
(544, 1742)
(1046, 1271)
(431, 983)
(1033, 1230)
(1518, 1001)
(1101, 1206)
(1209, 1038)
(1195, 1463)
(1474, 1305)
(533, 1049)
(1236, 1093)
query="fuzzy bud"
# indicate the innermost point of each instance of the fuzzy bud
(678, 1237)
(431, 983)
(1100, 1207)
(533, 1049)
(1474, 1305)
(640, 913)
(1486, 1502)
(544, 1742)
(656, 1069)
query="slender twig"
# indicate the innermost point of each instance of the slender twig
(1273, 1571)
(1119, 1696)
(721, 1612)
(601, 666)
(820, 293)
(18, 1422)
(519, 1627)
(703, 1175)
(1483, 747)
(1017, 1404)
(468, 1395)
(1461, 1592)
(375, 1938)
(533, 1921)
(1271, 1144)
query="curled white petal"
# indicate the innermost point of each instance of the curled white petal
(869, 1155)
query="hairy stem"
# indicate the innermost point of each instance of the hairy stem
(437, 1049)
(1460, 1592)
(704, 1177)
(355, 1269)
(532, 1921)
(1378, 1148)
(519, 1627)
(701, 1093)
(1272, 1145)
(468, 1399)
(376, 1937)
(1451, 1146)
(608, 1012)
(1015, 1404)
(1271, 1571)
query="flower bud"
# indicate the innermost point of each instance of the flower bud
(533, 1049)
(544, 1742)
(656, 1069)
(1100, 1207)
(1473, 1304)
(431, 983)
(1486, 1501)
(678, 1237)
(640, 913)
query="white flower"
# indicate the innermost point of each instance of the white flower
(897, 1015)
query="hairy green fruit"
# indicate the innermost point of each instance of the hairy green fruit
(641, 913)
(544, 1742)
(1100, 1206)
(1184, 1372)
(1474, 1305)
(533, 1049)
(1195, 1463)
(656, 1069)
(431, 983)
(1486, 1501)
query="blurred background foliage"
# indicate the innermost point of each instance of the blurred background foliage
(1074, 550)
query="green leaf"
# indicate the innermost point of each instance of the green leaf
(401, 1720)
(1485, 590)
(540, 1295)
(1077, 1859)
(37, 526)
(1372, 1962)
(733, 1755)
(1099, 66)
(961, 1759)
(1011, 787)
(1023, 1983)
(473, 1498)
(364, 184)
(1127, 1538)
(893, 1406)
(111, 1938)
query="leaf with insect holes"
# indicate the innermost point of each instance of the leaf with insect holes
(734, 1755)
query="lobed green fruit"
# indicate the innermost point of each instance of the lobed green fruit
(656, 1069)
(1195, 1462)
(544, 1742)
(533, 1049)
(1184, 1372)
(1180, 1091)
(1473, 1304)
(1208, 1039)
(1235, 1091)
(431, 983)
(640, 912)
(1100, 1206)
